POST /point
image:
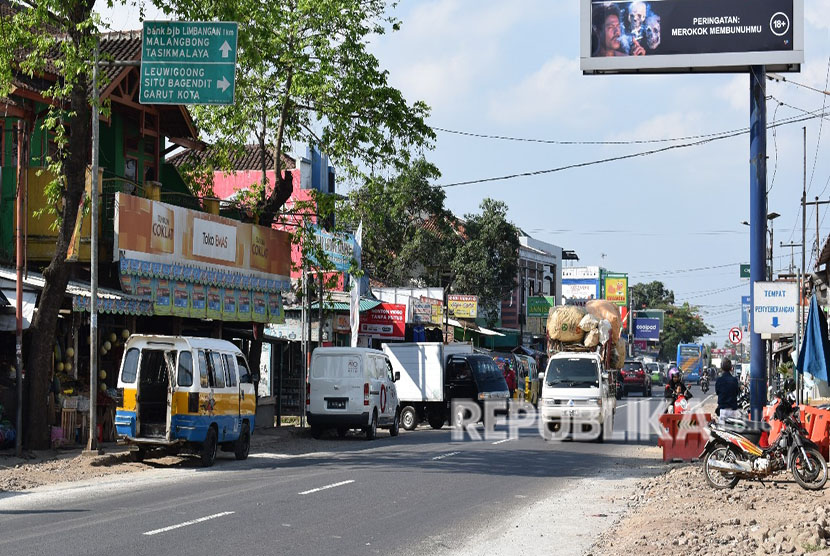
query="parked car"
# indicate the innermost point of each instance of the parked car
(635, 377)
(352, 388)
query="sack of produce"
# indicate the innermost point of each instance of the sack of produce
(588, 322)
(563, 323)
(619, 355)
(604, 309)
(591, 338)
(604, 329)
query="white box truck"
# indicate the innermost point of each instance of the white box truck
(426, 388)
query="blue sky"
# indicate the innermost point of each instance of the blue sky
(512, 68)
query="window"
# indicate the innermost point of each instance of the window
(203, 369)
(458, 370)
(217, 370)
(130, 369)
(230, 370)
(185, 374)
(390, 374)
(245, 376)
(379, 368)
(153, 367)
(131, 169)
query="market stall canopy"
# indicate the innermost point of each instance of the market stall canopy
(473, 327)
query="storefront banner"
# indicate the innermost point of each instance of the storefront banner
(276, 313)
(243, 305)
(338, 247)
(228, 304)
(342, 324)
(421, 311)
(214, 303)
(166, 241)
(386, 321)
(462, 306)
(685, 36)
(539, 306)
(181, 299)
(198, 301)
(616, 289)
(162, 294)
(259, 309)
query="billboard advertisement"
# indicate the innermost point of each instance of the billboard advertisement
(580, 288)
(684, 36)
(386, 321)
(647, 329)
(616, 289)
(462, 306)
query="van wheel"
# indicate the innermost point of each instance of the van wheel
(409, 418)
(208, 451)
(372, 429)
(242, 446)
(396, 425)
(436, 420)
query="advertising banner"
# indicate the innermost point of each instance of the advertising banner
(616, 289)
(437, 307)
(462, 306)
(198, 301)
(165, 241)
(338, 247)
(243, 305)
(746, 310)
(691, 35)
(386, 321)
(259, 308)
(162, 297)
(539, 306)
(580, 288)
(181, 299)
(421, 311)
(214, 303)
(647, 329)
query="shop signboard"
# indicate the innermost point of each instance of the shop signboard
(539, 306)
(337, 246)
(616, 289)
(462, 306)
(421, 311)
(683, 36)
(436, 309)
(385, 321)
(647, 329)
(164, 241)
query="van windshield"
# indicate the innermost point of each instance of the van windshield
(572, 373)
(487, 374)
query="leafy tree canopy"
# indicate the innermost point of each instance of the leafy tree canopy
(682, 325)
(652, 295)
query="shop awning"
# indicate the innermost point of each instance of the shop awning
(109, 300)
(365, 305)
(471, 326)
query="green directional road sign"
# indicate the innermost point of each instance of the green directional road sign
(188, 62)
(744, 271)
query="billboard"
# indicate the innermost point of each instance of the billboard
(616, 289)
(462, 306)
(539, 306)
(387, 321)
(580, 288)
(686, 36)
(647, 329)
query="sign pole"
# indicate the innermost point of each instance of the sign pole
(92, 442)
(758, 229)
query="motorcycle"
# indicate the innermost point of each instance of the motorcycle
(743, 399)
(704, 383)
(679, 402)
(732, 452)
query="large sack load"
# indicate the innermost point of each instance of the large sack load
(618, 356)
(591, 338)
(604, 309)
(563, 323)
(589, 322)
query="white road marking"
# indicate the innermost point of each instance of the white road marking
(341, 483)
(186, 523)
(503, 440)
(442, 456)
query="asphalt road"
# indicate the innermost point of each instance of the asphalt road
(419, 493)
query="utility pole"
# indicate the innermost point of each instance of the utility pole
(522, 308)
(18, 310)
(799, 312)
(92, 442)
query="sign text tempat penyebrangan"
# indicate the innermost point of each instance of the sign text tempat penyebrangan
(773, 307)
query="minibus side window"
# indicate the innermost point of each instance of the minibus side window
(231, 378)
(185, 377)
(130, 370)
(217, 371)
(244, 373)
(203, 369)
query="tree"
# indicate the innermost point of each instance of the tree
(41, 38)
(487, 263)
(305, 74)
(652, 295)
(406, 228)
(682, 325)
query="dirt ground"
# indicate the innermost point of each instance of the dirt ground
(68, 464)
(677, 513)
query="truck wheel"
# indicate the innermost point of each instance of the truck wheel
(436, 420)
(396, 425)
(409, 418)
(242, 446)
(208, 451)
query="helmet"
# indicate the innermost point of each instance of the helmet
(789, 385)
(673, 372)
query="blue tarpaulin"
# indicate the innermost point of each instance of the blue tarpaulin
(814, 355)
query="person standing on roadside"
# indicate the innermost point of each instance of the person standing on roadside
(727, 389)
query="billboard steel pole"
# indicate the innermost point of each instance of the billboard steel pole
(758, 229)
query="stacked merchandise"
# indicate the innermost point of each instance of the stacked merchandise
(595, 327)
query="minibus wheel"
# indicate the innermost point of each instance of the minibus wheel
(243, 443)
(208, 452)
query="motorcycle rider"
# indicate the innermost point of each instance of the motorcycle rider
(675, 387)
(727, 388)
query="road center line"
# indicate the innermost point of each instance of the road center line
(442, 456)
(503, 440)
(341, 483)
(186, 523)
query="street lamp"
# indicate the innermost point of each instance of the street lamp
(770, 217)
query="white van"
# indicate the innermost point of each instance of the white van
(180, 394)
(576, 388)
(351, 388)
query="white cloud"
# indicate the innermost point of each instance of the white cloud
(735, 93)
(664, 126)
(815, 13)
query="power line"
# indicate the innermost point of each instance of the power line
(626, 156)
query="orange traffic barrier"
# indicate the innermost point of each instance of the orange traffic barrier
(684, 436)
(819, 428)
